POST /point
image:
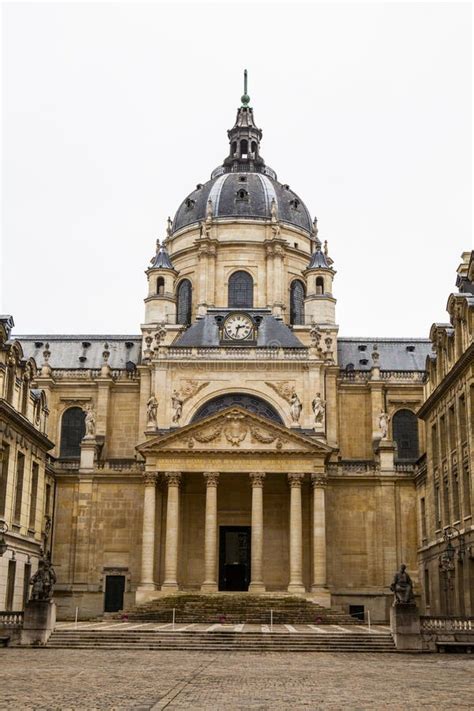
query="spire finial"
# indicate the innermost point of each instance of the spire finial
(245, 98)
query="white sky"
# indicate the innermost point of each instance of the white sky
(113, 112)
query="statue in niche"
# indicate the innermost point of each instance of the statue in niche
(319, 409)
(384, 419)
(151, 411)
(43, 580)
(90, 423)
(295, 407)
(402, 587)
(177, 405)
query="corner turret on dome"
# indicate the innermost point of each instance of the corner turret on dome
(320, 303)
(161, 260)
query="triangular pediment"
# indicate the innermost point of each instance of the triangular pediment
(235, 430)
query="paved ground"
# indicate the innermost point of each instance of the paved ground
(60, 680)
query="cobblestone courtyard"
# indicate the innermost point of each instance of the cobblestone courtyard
(146, 680)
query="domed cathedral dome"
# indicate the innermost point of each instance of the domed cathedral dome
(242, 240)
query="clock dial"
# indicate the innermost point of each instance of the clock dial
(238, 327)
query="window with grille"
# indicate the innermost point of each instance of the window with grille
(4, 458)
(73, 429)
(240, 291)
(297, 302)
(33, 496)
(405, 434)
(20, 473)
(184, 299)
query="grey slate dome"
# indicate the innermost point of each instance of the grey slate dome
(243, 186)
(243, 195)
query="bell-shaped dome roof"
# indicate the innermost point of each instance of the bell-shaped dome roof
(243, 187)
(243, 195)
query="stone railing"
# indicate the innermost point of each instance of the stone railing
(352, 467)
(447, 624)
(401, 467)
(62, 464)
(121, 465)
(354, 376)
(91, 373)
(237, 353)
(412, 376)
(11, 619)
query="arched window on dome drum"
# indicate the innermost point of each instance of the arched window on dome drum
(184, 299)
(254, 146)
(234, 148)
(405, 434)
(73, 429)
(244, 148)
(297, 302)
(240, 294)
(319, 285)
(160, 286)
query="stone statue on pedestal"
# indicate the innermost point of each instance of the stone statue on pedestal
(90, 423)
(151, 411)
(43, 581)
(319, 409)
(177, 405)
(402, 587)
(295, 407)
(384, 419)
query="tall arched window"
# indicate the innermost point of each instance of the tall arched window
(240, 291)
(73, 429)
(405, 434)
(160, 286)
(244, 148)
(319, 285)
(184, 298)
(297, 302)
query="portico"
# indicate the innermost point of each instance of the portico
(241, 495)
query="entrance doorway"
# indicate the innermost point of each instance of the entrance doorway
(234, 558)
(114, 589)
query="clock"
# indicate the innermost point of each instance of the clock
(238, 327)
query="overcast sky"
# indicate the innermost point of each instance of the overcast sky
(113, 112)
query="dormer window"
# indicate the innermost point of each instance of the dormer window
(410, 349)
(362, 348)
(199, 186)
(189, 203)
(295, 203)
(363, 361)
(242, 195)
(243, 179)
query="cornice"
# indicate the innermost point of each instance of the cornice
(27, 429)
(463, 362)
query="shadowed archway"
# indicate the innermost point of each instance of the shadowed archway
(252, 403)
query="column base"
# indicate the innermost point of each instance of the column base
(257, 588)
(143, 594)
(296, 588)
(209, 587)
(170, 585)
(321, 595)
(147, 586)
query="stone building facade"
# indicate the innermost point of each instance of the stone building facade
(237, 443)
(26, 475)
(444, 475)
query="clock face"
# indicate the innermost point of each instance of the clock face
(238, 327)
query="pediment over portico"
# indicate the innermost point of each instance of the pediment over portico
(235, 430)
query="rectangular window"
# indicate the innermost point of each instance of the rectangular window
(434, 444)
(462, 418)
(447, 514)
(47, 505)
(10, 585)
(437, 504)
(442, 435)
(452, 428)
(466, 476)
(423, 519)
(456, 510)
(4, 460)
(427, 588)
(33, 496)
(20, 473)
(26, 583)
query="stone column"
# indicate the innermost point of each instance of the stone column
(256, 572)
(296, 534)
(210, 534)
(319, 585)
(170, 582)
(148, 537)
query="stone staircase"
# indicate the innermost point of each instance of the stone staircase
(234, 608)
(223, 641)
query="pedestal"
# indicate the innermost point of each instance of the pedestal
(88, 453)
(38, 622)
(405, 626)
(386, 452)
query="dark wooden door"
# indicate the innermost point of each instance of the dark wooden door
(114, 589)
(10, 585)
(234, 558)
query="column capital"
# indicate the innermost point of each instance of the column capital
(257, 478)
(173, 478)
(295, 479)
(319, 481)
(150, 478)
(212, 478)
